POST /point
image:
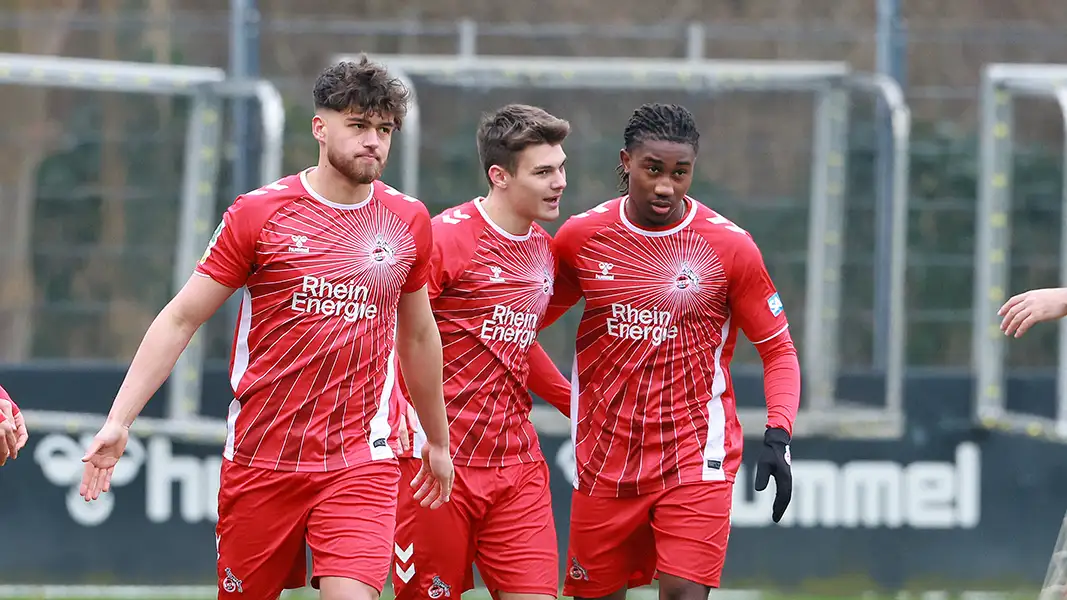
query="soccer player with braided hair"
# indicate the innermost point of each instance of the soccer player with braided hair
(667, 283)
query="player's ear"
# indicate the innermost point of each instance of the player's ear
(499, 176)
(318, 128)
(624, 159)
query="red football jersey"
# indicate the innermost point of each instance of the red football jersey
(489, 291)
(312, 365)
(655, 405)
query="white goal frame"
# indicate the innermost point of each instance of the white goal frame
(1001, 83)
(832, 82)
(206, 87)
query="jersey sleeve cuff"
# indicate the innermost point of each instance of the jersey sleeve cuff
(412, 287)
(217, 279)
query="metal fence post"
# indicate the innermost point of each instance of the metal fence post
(196, 218)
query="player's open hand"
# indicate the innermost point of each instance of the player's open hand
(774, 461)
(8, 433)
(1025, 310)
(100, 459)
(433, 483)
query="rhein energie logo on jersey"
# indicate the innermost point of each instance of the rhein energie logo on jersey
(507, 325)
(629, 323)
(348, 300)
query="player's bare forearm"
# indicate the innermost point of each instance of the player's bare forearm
(418, 346)
(546, 381)
(163, 343)
(153, 362)
(781, 381)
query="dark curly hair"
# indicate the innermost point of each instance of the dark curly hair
(658, 122)
(363, 86)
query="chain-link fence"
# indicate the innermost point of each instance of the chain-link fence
(105, 167)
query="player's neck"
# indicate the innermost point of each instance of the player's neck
(329, 183)
(499, 211)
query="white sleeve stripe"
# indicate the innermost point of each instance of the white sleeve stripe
(774, 335)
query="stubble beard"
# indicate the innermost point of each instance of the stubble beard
(354, 170)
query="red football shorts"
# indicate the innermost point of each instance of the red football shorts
(619, 543)
(499, 518)
(267, 520)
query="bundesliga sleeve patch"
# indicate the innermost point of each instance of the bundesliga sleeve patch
(211, 243)
(775, 304)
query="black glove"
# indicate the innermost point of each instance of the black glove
(774, 461)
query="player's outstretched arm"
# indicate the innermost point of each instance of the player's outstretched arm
(164, 342)
(546, 381)
(1027, 309)
(418, 345)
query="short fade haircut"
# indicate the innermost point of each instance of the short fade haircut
(658, 123)
(504, 134)
(364, 87)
